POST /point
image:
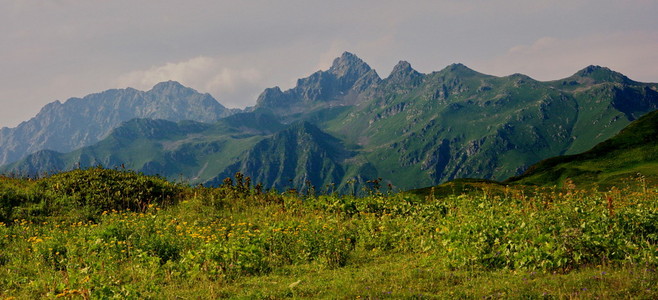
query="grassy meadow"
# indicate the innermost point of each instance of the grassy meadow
(101, 233)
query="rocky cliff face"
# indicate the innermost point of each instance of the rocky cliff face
(80, 122)
(342, 84)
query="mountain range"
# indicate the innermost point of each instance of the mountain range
(345, 126)
(80, 122)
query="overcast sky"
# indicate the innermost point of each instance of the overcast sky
(57, 49)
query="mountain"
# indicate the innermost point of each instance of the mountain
(631, 156)
(342, 85)
(187, 150)
(80, 122)
(346, 125)
(423, 129)
(298, 156)
(633, 153)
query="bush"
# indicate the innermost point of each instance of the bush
(104, 189)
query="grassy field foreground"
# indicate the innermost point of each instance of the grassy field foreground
(113, 234)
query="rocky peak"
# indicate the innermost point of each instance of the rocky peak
(51, 106)
(172, 88)
(168, 84)
(349, 65)
(591, 69)
(403, 72)
(271, 97)
(601, 74)
(402, 67)
(269, 92)
(461, 68)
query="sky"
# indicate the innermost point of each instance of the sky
(58, 49)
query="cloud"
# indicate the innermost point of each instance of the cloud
(550, 58)
(234, 49)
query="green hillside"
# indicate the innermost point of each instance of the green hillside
(460, 123)
(633, 153)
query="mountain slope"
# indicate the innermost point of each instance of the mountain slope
(186, 150)
(605, 98)
(458, 123)
(296, 157)
(631, 153)
(83, 121)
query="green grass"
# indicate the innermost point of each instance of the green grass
(416, 277)
(237, 241)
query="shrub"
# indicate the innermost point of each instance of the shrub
(104, 189)
(15, 193)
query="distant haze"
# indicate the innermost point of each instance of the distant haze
(54, 50)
